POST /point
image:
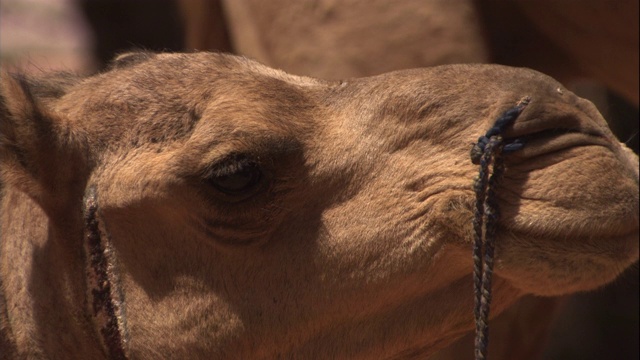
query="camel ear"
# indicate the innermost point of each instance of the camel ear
(29, 137)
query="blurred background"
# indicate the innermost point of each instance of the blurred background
(590, 45)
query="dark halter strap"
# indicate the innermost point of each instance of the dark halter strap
(105, 301)
(487, 153)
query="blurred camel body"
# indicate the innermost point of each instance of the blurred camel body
(206, 206)
(352, 38)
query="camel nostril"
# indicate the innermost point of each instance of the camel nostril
(553, 139)
(551, 133)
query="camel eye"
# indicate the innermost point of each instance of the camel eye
(236, 176)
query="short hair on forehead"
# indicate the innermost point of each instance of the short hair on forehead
(129, 59)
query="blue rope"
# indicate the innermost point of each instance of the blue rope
(487, 153)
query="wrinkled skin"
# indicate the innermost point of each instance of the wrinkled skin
(354, 241)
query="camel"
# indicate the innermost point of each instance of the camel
(207, 206)
(596, 40)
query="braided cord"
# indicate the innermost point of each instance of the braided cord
(487, 212)
(103, 304)
(487, 153)
(486, 207)
(480, 189)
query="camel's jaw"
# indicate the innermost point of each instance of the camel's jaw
(582, 232)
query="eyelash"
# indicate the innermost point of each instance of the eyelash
(236, 176)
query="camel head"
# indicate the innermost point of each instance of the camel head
(248, 213)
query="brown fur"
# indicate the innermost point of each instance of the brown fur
(356, 244)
